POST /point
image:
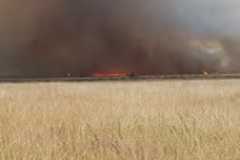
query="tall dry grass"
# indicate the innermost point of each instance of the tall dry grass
(178, 120)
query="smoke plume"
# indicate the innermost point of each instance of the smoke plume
(49, 38)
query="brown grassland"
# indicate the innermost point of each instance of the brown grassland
(141, 120)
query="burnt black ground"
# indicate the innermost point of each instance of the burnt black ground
(125, 78)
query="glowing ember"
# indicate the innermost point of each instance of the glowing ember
(109, 75)
(205, 73)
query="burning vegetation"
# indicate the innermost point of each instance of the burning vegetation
(109, 75)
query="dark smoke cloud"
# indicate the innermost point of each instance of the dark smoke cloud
(50, 38)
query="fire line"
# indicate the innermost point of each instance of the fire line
(109, 75)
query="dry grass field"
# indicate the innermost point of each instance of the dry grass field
(144, 120)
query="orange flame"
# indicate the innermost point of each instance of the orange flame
(205, 73)
(109, 75)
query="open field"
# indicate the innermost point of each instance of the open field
(144, 120)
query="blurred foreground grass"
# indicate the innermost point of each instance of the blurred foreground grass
(147, 120)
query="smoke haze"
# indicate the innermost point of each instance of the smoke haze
(49, 38)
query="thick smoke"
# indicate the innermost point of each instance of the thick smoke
(50, 38)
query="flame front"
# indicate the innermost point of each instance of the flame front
(109, 75)
(205, 73)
